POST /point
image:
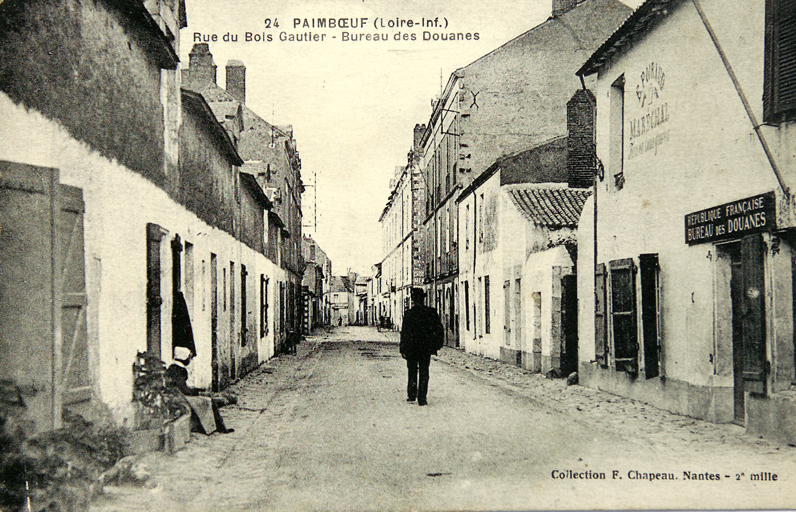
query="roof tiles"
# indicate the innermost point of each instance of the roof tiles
(550, 207)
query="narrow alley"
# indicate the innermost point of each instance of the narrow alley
(329, 429)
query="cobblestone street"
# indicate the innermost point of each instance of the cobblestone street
(329, 429)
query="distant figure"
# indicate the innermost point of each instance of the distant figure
(340, 322)
(421, 336)
(204, 410)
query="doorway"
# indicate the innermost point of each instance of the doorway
(747, 290)
(569, 323)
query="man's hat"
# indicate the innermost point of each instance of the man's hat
(418, 294)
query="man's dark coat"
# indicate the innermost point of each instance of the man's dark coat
(421, 333)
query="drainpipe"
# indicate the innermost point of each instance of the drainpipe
(742, 96)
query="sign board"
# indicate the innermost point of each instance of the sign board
(731, 220)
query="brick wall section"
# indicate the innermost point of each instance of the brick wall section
(580, 140)
(93, 69)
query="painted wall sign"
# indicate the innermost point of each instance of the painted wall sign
(648, 130)
(731, 220)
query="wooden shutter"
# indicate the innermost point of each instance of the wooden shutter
(487, 312)
(507, 313)
(75, 384)
(263, 302)
(623, 314)
(154, 236)
(779, 88)
(244, 328)
(753, 317)
(649, 313)
(600, 318)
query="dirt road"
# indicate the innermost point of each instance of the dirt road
(329, 429)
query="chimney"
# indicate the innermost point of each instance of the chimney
(201, 66)
(562, 6)
(581, 157)
(236, 80)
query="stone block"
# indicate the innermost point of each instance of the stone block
(147, 440)
(177, 433)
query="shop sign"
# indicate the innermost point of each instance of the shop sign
(731, 220)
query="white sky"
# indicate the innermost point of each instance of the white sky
(353, 105)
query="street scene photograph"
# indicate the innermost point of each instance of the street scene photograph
(379, 255)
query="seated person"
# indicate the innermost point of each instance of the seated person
(204, 410)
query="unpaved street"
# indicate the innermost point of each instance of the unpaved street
(329, 429)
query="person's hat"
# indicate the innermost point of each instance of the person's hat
(418, 294)
(182, 354)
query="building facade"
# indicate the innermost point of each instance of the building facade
(315, 284)
(271, 156)
(341, 301)
(507, 101)
(402, 266)
(687, 286)
(121, 198)
(518, 223)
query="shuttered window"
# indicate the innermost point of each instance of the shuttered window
(600, 318)
(779, 89)
(650, 313)
(623, 315)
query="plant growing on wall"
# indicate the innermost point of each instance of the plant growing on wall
(158, 403)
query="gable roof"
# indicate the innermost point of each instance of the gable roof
(549, 205)
(566, 38)
(223, 102)
(628, 33)
(200, 106)
(257, 192)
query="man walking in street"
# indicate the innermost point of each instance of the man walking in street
(421, 336)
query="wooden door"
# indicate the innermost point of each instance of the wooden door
(569, 323)
(30, 313)
(747, 288)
